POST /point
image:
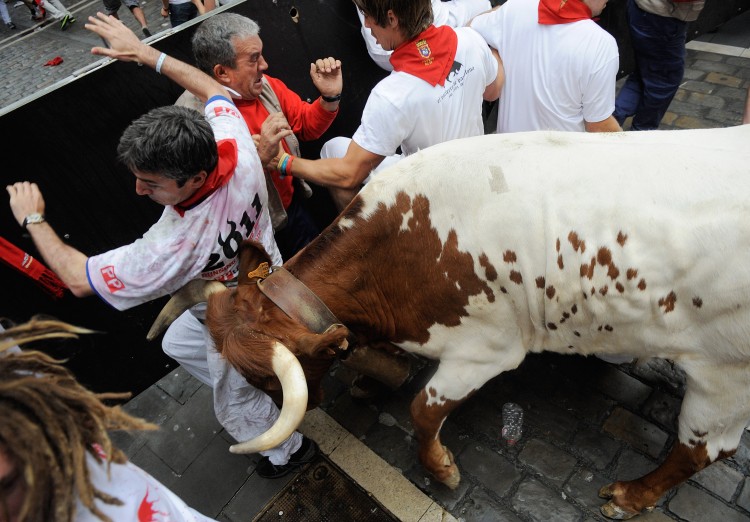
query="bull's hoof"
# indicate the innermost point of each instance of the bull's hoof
(615, 512)
(453, 480)
(447, 471)
(607, 491)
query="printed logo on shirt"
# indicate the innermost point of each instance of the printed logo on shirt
(114, 284)
(147, 511)
(229, 244)
(223, 109)
(456, 78)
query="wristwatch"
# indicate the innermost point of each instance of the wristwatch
(32, 219)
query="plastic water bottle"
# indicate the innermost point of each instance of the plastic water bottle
(512, 422)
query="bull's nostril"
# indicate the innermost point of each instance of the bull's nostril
(294, 13)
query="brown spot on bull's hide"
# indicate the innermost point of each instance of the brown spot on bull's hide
(566, 315)
(621, 238)
(613, 271)
(599, 329)
(560, 262)
(352, 269)
(592, 264)
(593, 290)
(668, 302)
(699, 434)
(604, 256)
(725, 454)
(575, 332)
(697, 302)
(642, 284)
(552, 326)
(584, 295)
(550, 292)
(603, 290)
(570, 346)
(516, 277)
(489, 270)
(432, 392)
(509, 256)
(608, 327)
(632, 273)
(557, 245)
(583, 270)
(503, 290)
(574, 309)
(576, 243)
(539, 282)
(619, 287)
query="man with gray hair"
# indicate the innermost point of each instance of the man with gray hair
(227, 46)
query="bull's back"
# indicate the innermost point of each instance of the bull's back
(588, 234)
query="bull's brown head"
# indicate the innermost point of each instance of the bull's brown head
(274, 352)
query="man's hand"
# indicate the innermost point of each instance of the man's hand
(25, 199)
(274, 129)
(123, 43)
(326, 76)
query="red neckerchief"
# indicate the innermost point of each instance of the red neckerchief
(429, 56)
(219, 177)
(553, 12)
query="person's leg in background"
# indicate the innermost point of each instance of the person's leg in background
(659, 47)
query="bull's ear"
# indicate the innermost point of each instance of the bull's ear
(329, 343)
(252, 254)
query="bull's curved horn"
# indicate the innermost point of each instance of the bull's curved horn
(196, 291)
(293, 384)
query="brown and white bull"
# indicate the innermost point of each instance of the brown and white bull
(479, 251)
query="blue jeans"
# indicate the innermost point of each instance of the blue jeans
(181, 13)
(659, 46)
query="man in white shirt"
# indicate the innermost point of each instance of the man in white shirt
(560, 66)
(434, 94)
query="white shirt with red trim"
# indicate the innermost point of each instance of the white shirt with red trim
(144, 499)
(202, 244)
(403, 110)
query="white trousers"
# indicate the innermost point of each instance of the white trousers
(55, 8)
(243, 410)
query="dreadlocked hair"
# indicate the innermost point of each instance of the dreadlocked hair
(50, 421)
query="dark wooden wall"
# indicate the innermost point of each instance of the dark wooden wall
(90, 197)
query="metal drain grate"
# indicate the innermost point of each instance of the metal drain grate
(323, 493)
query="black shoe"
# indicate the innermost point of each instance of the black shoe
(306, 453)
(146, 31)
(10, 25)
(65, 22)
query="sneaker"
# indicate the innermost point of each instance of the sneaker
(65, 22)
(146, 32)
(306, 453)
(10, 25)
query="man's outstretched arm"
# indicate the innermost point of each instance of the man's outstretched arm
(68, 263)
(125, 46)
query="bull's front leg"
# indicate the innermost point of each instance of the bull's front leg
(428, 414)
